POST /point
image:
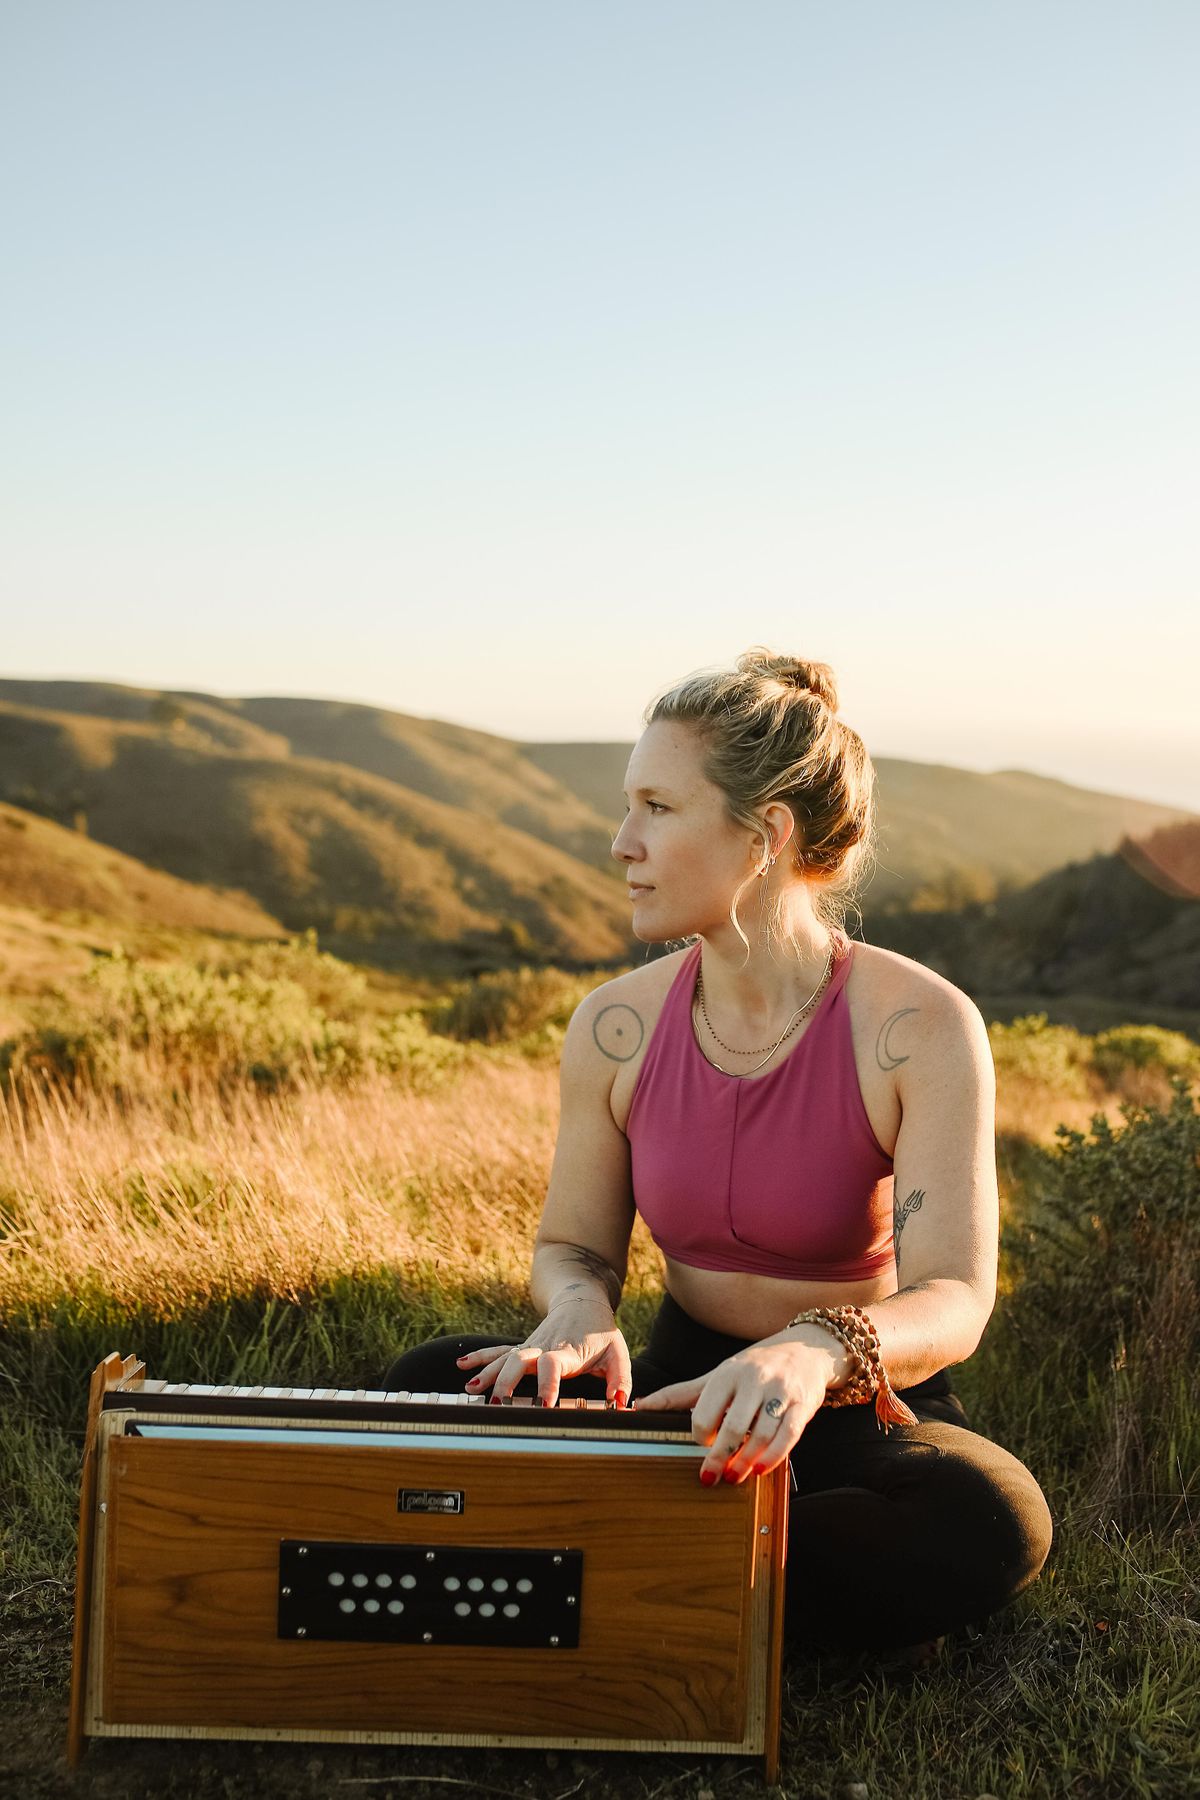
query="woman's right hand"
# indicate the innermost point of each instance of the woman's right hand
(575, 1337)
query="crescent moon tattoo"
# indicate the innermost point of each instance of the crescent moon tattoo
(618, 1032)
(884, 1055)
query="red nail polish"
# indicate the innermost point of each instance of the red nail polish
(708, 1478)
(474, 1381)
(730, 1475)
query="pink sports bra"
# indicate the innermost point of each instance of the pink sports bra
(780, 1174)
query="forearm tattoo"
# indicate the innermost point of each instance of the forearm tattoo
(596, 1266)
(886, 1057)
(902, 1211)
(618, 1032)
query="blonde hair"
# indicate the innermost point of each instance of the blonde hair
(770, 732)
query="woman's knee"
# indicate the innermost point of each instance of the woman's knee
(914, 1537)
(991, 1515)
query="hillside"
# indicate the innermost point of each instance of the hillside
(44, 866)
(427, 847)
(63, 898)
(381, 871)
(463, 768)
(471, 769)
(1117, 933)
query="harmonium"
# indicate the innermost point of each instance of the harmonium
(389, 1568)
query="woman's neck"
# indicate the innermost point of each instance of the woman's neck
(755, 996)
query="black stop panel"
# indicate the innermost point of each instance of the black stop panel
(430, 1594)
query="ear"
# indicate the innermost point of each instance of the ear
(780, 828)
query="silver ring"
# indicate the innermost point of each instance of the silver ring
(773, 1408)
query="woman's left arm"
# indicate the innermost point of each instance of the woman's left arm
(945, 1207)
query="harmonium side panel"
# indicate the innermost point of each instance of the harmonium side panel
(193, 1582)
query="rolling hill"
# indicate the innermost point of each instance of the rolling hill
(49, 868)
(418, 844)
(380, 869)
(449, 763)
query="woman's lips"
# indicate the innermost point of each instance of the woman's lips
(635, 889)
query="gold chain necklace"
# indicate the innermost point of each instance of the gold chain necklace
(787, 1030)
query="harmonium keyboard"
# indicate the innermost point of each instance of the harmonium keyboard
(392, 1568)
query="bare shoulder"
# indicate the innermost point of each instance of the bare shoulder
(914, 1009)
(618, 1016)
(611, 1028)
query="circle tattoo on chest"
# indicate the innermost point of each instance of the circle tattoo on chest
(618, 1032)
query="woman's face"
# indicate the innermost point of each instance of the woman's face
(677, 842)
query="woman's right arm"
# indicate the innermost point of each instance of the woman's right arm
(582, 1247)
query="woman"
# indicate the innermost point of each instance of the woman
(807, 1127)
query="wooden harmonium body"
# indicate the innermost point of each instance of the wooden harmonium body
(277, 1563)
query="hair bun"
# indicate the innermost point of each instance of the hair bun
(809, 677)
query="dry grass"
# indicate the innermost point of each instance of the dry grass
(165, 1204)
(180, 1195)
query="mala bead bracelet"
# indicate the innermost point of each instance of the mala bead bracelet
(851, 1326)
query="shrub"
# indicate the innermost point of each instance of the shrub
(1102, 1316)
(335, 986)
(1144, 1047)
(404, 1045)
(510, 1004)
(1053, 1056)
(132, 1024)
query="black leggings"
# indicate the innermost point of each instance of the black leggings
(893, 1537)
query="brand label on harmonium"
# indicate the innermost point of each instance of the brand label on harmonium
(429, 1500)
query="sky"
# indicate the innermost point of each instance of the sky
(504, 362)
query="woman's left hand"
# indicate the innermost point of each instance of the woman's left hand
(752, 1409)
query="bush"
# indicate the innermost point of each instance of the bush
(404, 1045)
(336, 987)
(1103, 1314)
(1144, 1047)
(510, 1004)
(1053, 1056)
(132, 1023)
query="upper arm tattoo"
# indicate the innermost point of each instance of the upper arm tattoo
(886, 1058)
(902, 1211)
(618, 1031)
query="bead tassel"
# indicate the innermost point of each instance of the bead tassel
(852, 1327)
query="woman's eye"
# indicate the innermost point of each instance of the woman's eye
(654, 805)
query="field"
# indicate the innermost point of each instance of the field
(247, 1172)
